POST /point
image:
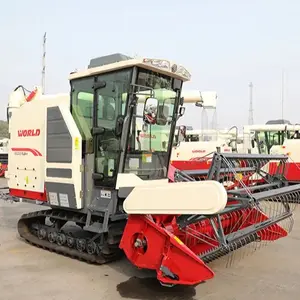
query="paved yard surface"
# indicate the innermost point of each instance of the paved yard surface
(29, 273)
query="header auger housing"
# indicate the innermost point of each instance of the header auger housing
(80, 157)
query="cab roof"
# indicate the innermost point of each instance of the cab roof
(118, 61)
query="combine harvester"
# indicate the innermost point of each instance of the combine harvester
(270, 138)
(275, 138)
(82, 160)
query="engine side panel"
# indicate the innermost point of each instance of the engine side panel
(63, 180)
(26, 156)
(59, 139)
(45, 153)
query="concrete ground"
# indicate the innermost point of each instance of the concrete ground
(27, 272)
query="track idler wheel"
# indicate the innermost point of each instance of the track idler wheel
(52, 237)
(91, 247)
(80, 245)
(42, 233)
(61, 239)
(70, 242)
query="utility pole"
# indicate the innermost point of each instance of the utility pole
(250, 120)
(44, 65)
(282, 93)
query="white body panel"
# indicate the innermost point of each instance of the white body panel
(290, 147)
(27, 154)
(201, 197)
(76, 178)
(132, 180)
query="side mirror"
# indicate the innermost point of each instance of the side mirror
(119, 125)
(181, 111)
(150, 111)
(252, 143)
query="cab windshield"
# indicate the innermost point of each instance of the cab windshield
(265, 140)
(147, 153)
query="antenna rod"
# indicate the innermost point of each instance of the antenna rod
(44, 65)
(250, 120)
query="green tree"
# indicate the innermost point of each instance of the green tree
(3, 129)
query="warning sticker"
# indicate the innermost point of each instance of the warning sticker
(76, 143)
(64, 200)
(53, 198)
(134, 163)
(147, 158)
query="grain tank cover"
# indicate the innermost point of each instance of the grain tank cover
(106, 60)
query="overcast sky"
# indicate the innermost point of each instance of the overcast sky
(224, 44)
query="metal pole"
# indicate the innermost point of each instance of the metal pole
(44, 65)
(250, 121)
(282, 93)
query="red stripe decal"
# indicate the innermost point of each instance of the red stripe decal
(38, 152)
(33, 151)
(31, 195)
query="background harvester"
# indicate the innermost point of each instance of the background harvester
(83, 159)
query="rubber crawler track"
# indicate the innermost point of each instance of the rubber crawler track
(107, 253)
